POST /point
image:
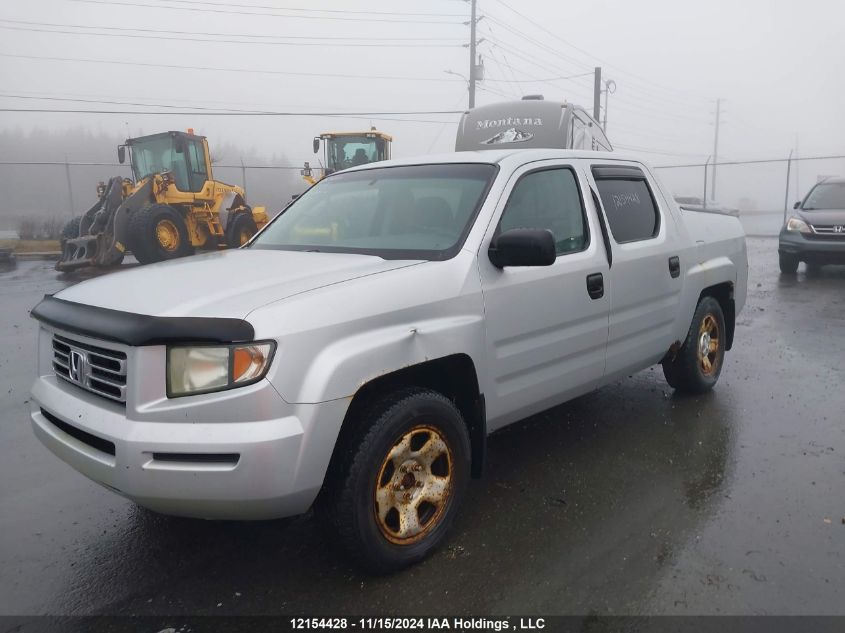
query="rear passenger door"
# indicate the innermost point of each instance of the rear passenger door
(546, 334)
(645, 273)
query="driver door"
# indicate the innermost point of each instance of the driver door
(546, 326)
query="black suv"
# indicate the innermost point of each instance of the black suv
(815, 233)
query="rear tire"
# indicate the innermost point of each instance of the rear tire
(394, 488)
(157, 233)
(698, 363)
(788, 264)
(240, 229)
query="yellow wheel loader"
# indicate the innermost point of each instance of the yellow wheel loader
(347, 149)
(172, 206)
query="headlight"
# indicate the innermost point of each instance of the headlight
(797, 224)
(193, 369)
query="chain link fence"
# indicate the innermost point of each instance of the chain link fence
(761, 190)
(43, 191)
(39, 192)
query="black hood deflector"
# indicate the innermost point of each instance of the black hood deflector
(139, 329)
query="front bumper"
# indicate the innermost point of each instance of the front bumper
(813, 249)
(282, 450)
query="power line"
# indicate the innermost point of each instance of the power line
(274, 8)
(496, 92)
(757, 162)
(509, 84)
(99, 164)
(530, 81)
(697, 98)
(525, 37)
(528, 57)
(271, 15)
(236, 113)
(222, 41)
(238, 166)
(228, 34)
(530, 40)
(235, 70)
(648, 150)
(662, 100)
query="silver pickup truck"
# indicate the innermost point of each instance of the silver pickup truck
(357, 352)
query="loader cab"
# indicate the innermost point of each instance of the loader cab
(350, 149)
(530, 123)
(182, 155)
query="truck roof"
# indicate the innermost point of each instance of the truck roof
(499, 156)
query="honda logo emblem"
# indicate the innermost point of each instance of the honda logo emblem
(839, 229)
(76, 366)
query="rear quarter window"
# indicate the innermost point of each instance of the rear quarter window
(628, 202)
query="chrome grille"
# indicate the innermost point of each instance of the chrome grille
(835, 231)
(95, 369)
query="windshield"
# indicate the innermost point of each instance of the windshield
(413, 212)
(156, 156)
(350, 151)
(827, 195)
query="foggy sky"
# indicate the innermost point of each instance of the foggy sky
(776, 64)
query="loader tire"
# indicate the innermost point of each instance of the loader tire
(240, 229)
(71, 229)
(157, 233)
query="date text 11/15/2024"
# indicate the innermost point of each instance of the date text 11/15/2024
(419, 624)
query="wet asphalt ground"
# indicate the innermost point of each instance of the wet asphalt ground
(627, 501)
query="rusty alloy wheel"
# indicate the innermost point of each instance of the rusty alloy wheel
(708, 345)
(413, 486)
(167, 234)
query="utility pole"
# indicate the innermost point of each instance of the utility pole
(472, 55)
(609, 89)
(69, 186)
(716, 148)
(597, 95)
(786, 195)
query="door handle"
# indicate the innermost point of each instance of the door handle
(675, 267)
(595, 285)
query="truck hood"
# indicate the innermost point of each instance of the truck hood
(223, 284)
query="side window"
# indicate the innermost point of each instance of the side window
(627, 200)
(548, 199)
(196, 156)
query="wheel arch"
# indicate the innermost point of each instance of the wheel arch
(454, 376)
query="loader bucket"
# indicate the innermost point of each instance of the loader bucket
(102, 231)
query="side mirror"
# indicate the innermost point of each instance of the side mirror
(523, 247)
(316, 144)
(121, 154)
(797, 205)
(179, 145)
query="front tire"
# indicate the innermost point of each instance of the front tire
(698, 363)
(393, 491)
(788, 264)
(157, 233)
